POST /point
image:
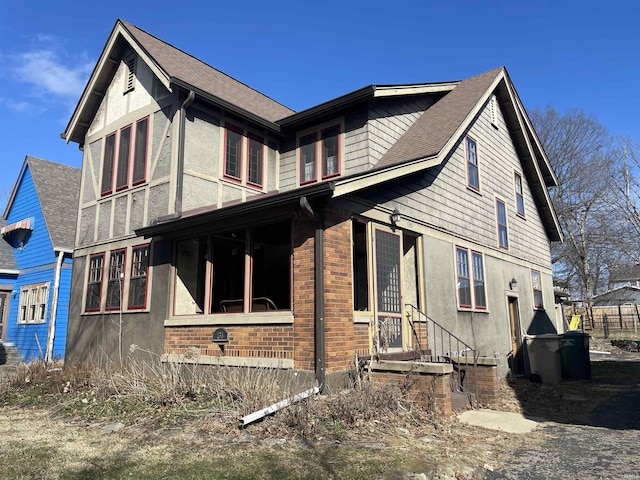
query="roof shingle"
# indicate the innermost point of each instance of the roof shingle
(431, 132)
(182, 66)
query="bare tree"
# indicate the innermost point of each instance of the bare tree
(579, 149)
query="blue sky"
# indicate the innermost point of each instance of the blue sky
(583, 54)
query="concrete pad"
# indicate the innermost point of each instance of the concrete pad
(503, 421)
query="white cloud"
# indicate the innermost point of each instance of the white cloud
(45, 70)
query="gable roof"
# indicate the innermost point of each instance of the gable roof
(173, 67)
(624, 274)
(58, 190)
(8, 262)
(618, 296)
(432, 137)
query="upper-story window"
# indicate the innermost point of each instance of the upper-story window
(129, 167)
(519, 194)
(236, 144)
(116, 279)
(501, 217)
(473, 177)
(323, 145)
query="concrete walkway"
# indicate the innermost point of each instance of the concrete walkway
(503, 421)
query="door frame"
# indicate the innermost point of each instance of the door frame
(516, 360)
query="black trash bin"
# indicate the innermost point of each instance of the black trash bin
(574, 355)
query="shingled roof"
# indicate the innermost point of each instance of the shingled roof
(58, 189)
(175, 67)
(431, 132)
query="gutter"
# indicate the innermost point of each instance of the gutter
(54, 308)
(177, 209)
(318, 265)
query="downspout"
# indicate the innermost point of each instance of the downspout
(177, 208)
(319, 331)
(54, 308)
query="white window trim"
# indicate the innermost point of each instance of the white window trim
(24, 319)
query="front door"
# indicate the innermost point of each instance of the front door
(517, 359)
(388, 289)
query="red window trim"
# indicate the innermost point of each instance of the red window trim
(119, 188)
(234, 128)
(257, 138)
(103, 192)
(484, 281)
(91, 257)
(339, 166)
(314, 136)
(124, 277)
(461, 305)
(146, 153)
(131, 277)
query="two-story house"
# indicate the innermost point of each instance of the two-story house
(216, 222)
(39, 229)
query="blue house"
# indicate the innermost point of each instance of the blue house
(8, 277)
(39, 226)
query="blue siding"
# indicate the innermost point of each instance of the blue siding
(38, 250)
(37, 264)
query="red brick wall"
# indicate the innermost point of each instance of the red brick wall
(255, 341)
(303, 292)
(487, 381)
(430, 392)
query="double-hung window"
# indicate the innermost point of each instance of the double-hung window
(94, 283)
(519, 194)
(138, 279)
(254, 165)
(308, 158)
(501, 216)
(470, 283)
(330, 152)
(319, 154)
(115, 281)
(233, 152)
(118, 168)
(33, 303)
(536, 282)
(243, 148)
(473, 176)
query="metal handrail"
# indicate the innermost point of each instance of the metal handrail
(456, 348)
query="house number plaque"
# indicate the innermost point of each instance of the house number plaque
(220, 335)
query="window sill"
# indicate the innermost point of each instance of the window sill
(258, 318)
(363, 317)
(282, 363)
(114, 312)
(473, 310)
(42, 322)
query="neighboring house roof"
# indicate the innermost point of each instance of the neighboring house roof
(625, 274)
(8, 262)
(173, 67)
(618, 296)
(58, 189)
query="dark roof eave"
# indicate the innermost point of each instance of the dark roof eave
(323, 189)
(326, 107)
(227, 105)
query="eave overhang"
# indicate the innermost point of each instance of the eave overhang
(259, 203)
(363, 94)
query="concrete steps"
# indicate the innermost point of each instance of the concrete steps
(9, 354)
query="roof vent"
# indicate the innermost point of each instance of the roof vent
(130, 62)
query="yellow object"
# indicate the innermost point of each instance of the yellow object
(575, 322)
